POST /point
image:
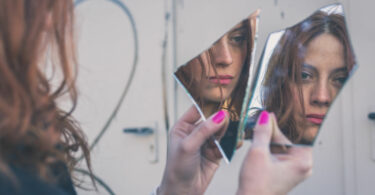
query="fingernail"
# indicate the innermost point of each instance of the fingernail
(263, 118)
(219, 117)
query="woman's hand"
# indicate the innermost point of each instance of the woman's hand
(265, 173)
(192, 159)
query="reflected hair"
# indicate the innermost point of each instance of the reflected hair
(185, 75)
(34, 132)
(286, 66)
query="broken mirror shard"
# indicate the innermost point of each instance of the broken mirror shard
(301, 71)
(217, 78)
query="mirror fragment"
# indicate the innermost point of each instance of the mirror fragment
(217, 78)
(301, 72)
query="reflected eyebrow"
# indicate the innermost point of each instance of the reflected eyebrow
(241, 28)
(343, 69)
(308, 66)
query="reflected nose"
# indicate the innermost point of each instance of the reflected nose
(322, 95)
(221, 54)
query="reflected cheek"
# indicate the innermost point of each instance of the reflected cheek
(306, 92)
(296, 101)
(196, 71)
(300, 105)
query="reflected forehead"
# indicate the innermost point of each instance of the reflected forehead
(325, 51)
(239, 26)
(325, 43)
(314, 68)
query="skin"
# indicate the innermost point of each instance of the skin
(266, 173)
(323, 75)
(228, 56)
(192, 161)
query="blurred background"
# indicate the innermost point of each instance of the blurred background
(128, 51)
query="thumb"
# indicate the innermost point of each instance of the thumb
(206, 129)
(263, 131)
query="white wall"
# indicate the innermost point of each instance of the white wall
(124, 161)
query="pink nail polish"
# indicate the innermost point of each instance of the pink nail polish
(263, 118)
(219, 117)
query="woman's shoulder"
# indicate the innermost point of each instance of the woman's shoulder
(22, 182)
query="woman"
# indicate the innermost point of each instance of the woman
(306, 71)
(38, 140)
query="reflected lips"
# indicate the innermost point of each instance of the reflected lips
(315, 118)
(222, 79)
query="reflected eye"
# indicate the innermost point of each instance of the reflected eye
(238, 39)
(306, 76)
(340, 80)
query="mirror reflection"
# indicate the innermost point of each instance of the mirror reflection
(301, 72)
(217, 78)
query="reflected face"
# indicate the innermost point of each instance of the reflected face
(218, 69)
(323, 74)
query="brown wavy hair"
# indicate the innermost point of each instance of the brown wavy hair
(185, 75)
(285, 66)
(34, 132)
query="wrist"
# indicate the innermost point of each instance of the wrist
(256, 192)
(253, 191)
(172, 188)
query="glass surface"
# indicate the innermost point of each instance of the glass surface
(301, 71)
(217, 78)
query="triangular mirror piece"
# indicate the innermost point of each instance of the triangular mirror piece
(217, 78)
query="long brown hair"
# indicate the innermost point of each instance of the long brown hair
(285, 66)
(34, 131)
(185, 75)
